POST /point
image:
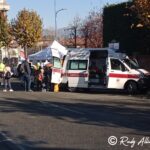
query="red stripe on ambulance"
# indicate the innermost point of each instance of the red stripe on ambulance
(56, 70)
(77, 75)
(115, 75)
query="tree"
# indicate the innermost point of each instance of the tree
(27, 28)
(88, 33)
(74, 27)
(142, 8)
(5, 37)
(92, 30)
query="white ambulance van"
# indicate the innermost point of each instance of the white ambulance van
(102, 68)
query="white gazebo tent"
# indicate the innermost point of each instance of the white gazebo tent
(61, 49)
(55, 49)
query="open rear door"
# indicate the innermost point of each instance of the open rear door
(98, 69)
(57, 68)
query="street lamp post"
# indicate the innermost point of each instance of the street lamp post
(56, 13)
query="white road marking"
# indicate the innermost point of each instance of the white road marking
(62, 107)
(11, 141)
(5, 140)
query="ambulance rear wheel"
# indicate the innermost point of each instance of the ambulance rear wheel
(131, 87)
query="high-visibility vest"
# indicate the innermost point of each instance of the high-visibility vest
(2, 66)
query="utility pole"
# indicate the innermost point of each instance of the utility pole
(75, 37)
(56, 13)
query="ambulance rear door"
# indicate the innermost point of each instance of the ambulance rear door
(57, 68)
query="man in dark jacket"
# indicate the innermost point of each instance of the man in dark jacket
(48, 76)
(26, 71)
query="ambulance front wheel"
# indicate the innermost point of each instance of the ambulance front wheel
(131, 87)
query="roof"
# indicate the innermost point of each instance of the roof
(84, 53)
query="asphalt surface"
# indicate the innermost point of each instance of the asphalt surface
(73, 121)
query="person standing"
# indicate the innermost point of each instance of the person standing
(48, 76)
(2, 66)
(7, 78)
(40, 79)
(26, 71)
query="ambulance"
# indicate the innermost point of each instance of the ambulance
(102, 68)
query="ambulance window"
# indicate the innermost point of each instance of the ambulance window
(73, 65)
(78, 65)
(56, 62)
(82, 64)
(117, 65)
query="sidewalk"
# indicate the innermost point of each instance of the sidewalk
(16, 85)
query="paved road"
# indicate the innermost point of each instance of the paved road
(73, 121)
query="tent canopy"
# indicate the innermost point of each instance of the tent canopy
(44, 54)
(55, 49)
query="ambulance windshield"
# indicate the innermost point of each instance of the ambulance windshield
(132, 64)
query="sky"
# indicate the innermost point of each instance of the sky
(45, 8)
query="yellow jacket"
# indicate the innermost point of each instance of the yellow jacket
(2, 66)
